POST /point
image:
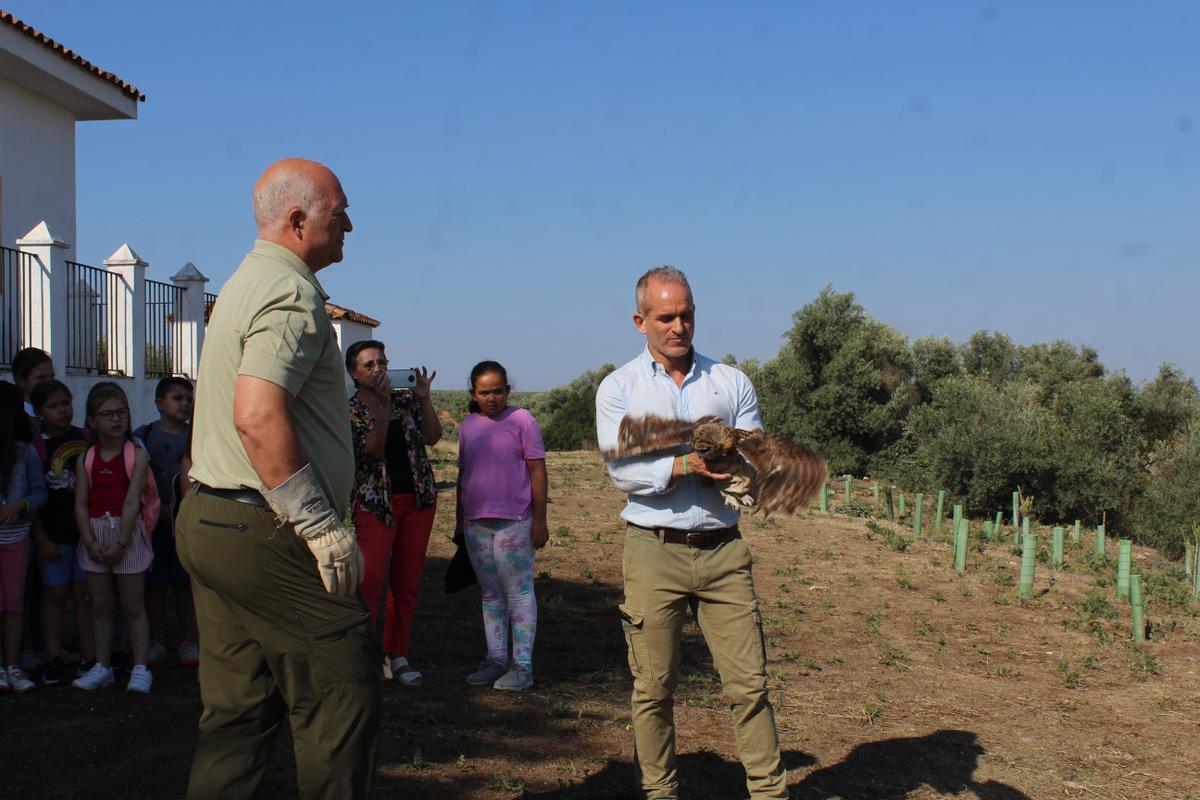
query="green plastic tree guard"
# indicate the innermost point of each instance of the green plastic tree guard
(941, 507)
(902, 510)
(918, 502)
(1124, 564)
(1024, 528)
(987, 529)
(1099, 551)
(1189, 556)
(1028, 564)
(1075, 533)
(1057, 543)
(957, 517)
(875, 491)
(846, 497)
(1016, 510)
(824, 499)
(891, 511)
(1139, 609)
(960, 544)
(997, 524)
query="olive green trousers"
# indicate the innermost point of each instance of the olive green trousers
(274, 643)
(661, 581)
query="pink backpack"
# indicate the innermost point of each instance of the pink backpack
(151, 504)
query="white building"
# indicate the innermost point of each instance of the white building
(44, 90)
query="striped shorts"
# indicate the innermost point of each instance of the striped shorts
(138, 555)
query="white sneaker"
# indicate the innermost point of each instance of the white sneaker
(487, 673)
(156, 654)
(140, 680)
(98, 677)
(402, 672)
(4, 687)
(18, 681)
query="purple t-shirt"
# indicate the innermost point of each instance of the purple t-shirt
(491, 458)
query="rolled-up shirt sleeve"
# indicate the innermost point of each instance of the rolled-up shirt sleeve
(637, 476)
(275, 349)
(748, 417)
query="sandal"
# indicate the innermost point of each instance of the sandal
(402, 672)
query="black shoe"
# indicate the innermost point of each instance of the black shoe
(56, 672)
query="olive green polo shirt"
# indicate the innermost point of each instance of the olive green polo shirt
(270, 323)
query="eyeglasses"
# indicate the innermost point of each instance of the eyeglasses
(111, 414)
(381, 363)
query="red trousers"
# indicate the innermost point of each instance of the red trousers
(397, 553)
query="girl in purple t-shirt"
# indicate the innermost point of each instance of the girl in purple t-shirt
(501, 512)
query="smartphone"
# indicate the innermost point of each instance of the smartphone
(402, 378)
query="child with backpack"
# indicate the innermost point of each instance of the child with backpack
(57, 538)
(116, 507)
(166, 442)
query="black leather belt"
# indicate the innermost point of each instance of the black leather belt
(702, 540)
(247, 496)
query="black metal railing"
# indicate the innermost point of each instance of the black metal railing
(164, 334)
(18, 272)
(210, 300)
(95, 320)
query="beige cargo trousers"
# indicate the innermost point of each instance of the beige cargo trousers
(661, 581)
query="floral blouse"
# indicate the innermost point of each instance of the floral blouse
(372, 485)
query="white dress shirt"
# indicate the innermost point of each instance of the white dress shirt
(643, 387)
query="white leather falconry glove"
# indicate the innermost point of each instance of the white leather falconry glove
(301, 502)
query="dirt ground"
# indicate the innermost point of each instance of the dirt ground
(892, 676)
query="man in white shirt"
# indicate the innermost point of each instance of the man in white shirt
(682, 544)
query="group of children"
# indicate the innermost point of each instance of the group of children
(97, 506)
(88, 499)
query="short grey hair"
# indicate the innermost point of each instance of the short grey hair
(280, 191)
(666, 274)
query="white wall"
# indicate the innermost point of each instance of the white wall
(37, 166)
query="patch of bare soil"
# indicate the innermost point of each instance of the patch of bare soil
(892, 676)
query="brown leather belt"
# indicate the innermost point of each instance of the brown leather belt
(702, 540)
(247, 496)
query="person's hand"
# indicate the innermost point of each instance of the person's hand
(425, 378)
(339, 561)
(10, 512)
(539, 532)
(696, 466)
(377, 394)
(112, 553)
(48, 549)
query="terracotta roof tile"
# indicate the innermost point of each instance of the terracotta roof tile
(337, 312)
(71, 55)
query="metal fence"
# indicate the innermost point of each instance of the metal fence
(17, 276)
(210, 300)
(95, 320)
(164, 334)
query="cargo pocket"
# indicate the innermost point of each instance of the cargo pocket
(756, 615)
(340, 650)
(632, 622)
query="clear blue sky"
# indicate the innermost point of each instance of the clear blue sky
(1032, 168)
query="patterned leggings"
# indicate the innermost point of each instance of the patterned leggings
(502, 554)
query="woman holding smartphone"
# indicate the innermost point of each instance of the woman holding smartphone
(395, 494)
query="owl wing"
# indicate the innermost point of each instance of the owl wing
(788, 474)
(641, 436)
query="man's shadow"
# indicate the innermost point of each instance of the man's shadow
(945, 761)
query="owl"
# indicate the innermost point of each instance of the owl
(768, 472)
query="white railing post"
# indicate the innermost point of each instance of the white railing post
(191, 317)
(128, 347)
(44, 299)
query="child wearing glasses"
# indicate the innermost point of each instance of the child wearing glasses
(109, 483)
